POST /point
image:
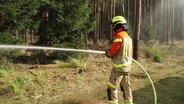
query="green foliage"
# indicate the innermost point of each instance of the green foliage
(8, 10)
(157, 58)
(3, 72)
(6, 64)
(19, 14)
(26, 14)
(77, 63)
(6, 38)
(18, 85)
(66, 23)
(154, 53)
(59, 23)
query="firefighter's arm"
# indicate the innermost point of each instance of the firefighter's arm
(111, 52)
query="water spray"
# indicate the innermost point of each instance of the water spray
(48, 48)
(78, 50)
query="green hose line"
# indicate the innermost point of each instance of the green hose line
(154, 90)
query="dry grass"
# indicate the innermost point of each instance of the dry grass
(61, 83)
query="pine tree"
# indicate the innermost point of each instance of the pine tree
(64, 23)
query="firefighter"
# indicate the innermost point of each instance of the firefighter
(120, 53)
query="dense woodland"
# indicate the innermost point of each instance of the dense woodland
(75, 23)
(58, 77)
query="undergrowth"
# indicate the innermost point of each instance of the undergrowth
(17, 86)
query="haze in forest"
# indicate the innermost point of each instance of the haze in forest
(167, 18)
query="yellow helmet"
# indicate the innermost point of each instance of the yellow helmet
(118, 20)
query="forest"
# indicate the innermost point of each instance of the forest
(65, 23)
(57, 77)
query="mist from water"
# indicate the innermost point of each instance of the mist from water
(168, 17)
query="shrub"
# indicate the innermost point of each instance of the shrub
(154, 53)
(157, 58)
(78, 63)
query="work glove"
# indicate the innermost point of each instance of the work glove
(107, 54)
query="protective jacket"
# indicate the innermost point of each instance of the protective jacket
(121, 49)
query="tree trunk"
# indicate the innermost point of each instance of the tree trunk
(128, 11)
(172, 26)
(137, 29)
(114, 8)
(86, 34)
(150, 15)
(162, 19)
(95, 29)
(17, 34)
(110, 16)
(166, 22)
(135, 11)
